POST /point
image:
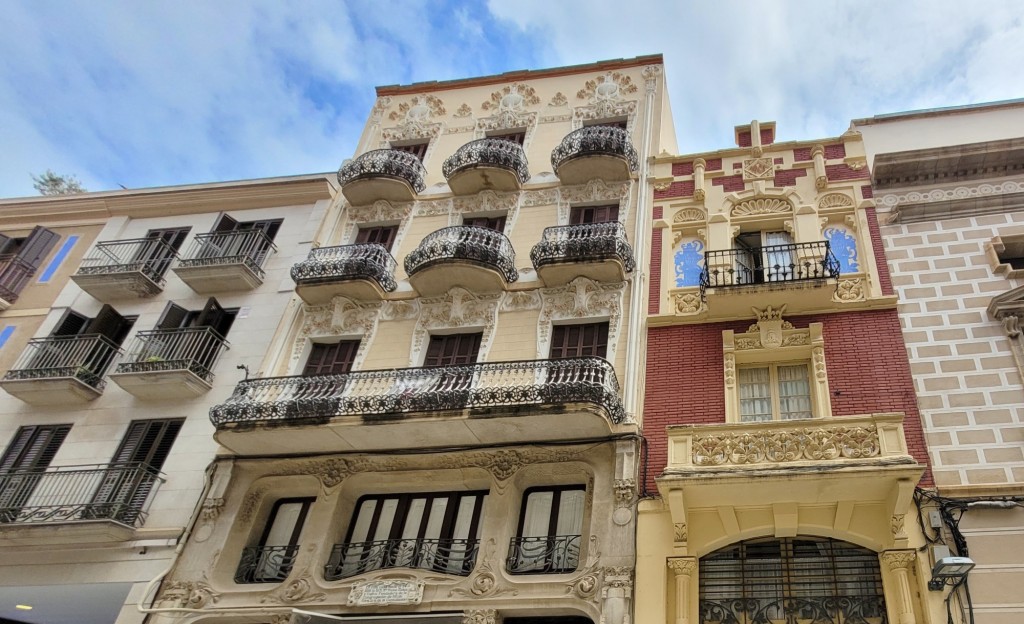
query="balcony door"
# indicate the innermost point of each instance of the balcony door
(21, 257)
(454, 350)
(583, 215)
(331, 358)
(233, 242)
(23, 464)
(762, 257)
(159, 250)
(82, 347)
(199, 347)
(383, 235)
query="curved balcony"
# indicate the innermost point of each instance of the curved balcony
(391, 175)
(487, 164)
(364, 272)
(591, 152)
(597, 251)
(525, 401)
(476, 258)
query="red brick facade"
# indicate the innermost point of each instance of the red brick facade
(884, 279)
(787, 177)
(844, 172)
(676, 189)
(868, 372)
(729, 183)
(654, 290)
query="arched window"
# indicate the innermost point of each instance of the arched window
(800, 579)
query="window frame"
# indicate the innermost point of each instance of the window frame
(552, 534)
(775, 390)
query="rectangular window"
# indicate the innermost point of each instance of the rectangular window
(569, 341)
(419, 150)
(550, 531)
(384, 235)
(775, 392)
(515, 136)
(580, 215)
(272, 559)
(331, 359)
(491, 223)
(23, 463)
(437, 531)
(453, 350)
(156, 256)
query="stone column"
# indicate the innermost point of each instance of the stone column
(900, 561)
(698, 178)
(820, 178)
(682, 568)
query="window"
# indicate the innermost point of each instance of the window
(491, 223)
(515, 136)
(775, 392)
(581, 215)
(437, 531)
(272, 559)
(453, 350)
(550, 529)
(80, 346)
(239, 238)
(419, 149)
(157, 255)
(190, 338)
(331, 359)
(613, 123)
(23, 463)
(384, 235)
(569, 341)
(20, 258)
(763, 257)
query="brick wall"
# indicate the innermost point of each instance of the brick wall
(867, 365)
(884, 279)
(844, 172)
(654, 286)
(787, 177)
(729, 183)
(676, 189)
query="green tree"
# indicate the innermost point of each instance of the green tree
(49, 183)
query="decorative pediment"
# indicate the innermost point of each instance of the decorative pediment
(485, 201)
(761, 206)
(419, 108)
(579, 299)
(605, 98)
(758, 169)
(835, 200)
(456, 308)
(690, 215)
(1009, 308)
(342, 317)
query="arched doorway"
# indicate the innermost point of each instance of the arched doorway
(799, 580)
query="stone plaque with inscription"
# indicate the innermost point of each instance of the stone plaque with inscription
(387, 592)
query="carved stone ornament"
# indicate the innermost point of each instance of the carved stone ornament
(730, 370)
(281, 618)
(689, 303)
(835, 200)
(770, 325)
(463, 111)
(685, 566)
(341, 317)
(419, 107)
(400, 310)
(379, 107)
(485, 201)
(605, 98)
(849, 290)
(187, 595)
(584, 587)
(617, 577)
(434, 208)
(651, 74)
(690, 215)
(510, 110)
(761, 206)
(480, 616)
(386, 592)
(581, 298)
(411, 130)
(679, 531)
(520, 300)
(456, 308)
(857, 165)
(625, 492)
(378, 213)
(211, 509)
(596, 190)
(960, 192)
(558, 99)
(298, 591)
(543, 197)
(897, 525)
(777, 447)
(898, 559)
(758, 169)
(249, 504)
(485, 582)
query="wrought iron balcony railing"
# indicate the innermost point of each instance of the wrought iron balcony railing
(266, 564)
(836, 608)
(149, 256)
(583, 243)
(14, 275)
(774, 264)
(447, 556)
(369, 261)
(193, 349)
(387, 163)
(549, 554)
(596, 140)
(118, 492)
(248, 247)
(468, 243)
(394, 391)
(84, 358)
(490, 152)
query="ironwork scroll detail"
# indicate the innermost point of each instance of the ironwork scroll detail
(369, 261)
(489, 152)
(466, 243)
(385, 162)
(583, 243)
(595, 140)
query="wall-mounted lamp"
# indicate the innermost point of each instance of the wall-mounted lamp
(949, 570)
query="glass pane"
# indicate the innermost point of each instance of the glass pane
(794, 392)
(361, 526)
(464, 518)
(538, 514)
(387, 516)
(283, 526)
(436, 519)
(755, 395)
(413, 518)
(570, 512)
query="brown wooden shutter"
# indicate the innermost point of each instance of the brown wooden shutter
(580, 215)
(384, 235)
(215, 317)
(148, 442)
(568, 341)
(225, 224)
(34, 447)
(331, 359)
(173, 317)
(110, 324)
(453, 350)
(39, 243)
(71, 324)
(419, 150)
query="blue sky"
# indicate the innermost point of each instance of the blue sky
(156, 93)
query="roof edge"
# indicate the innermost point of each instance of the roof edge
(938, 112)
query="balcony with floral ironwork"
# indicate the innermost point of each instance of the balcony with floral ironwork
(93, 503)
(444, 556)
(125, 268)
(225, 261)
(524, 401)
(15, 274)
(547, 554)
(363, 272)
(170, 363)
(595, 152)
(478, 259)
(384, 174)
(61, 370)
(487, 164)
(597, 251)
(266, 564)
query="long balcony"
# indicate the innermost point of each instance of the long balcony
(225, 261)
(598, 251)
(102, 502)
(170, 363)
(476, 258)
(486, 164)
(61, 370)
(14, 275)
(445, 556)
(603, 152)
(385, 174)
(363, 272)
(125, 268)
(532, 400)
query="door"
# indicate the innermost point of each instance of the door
(28, 256)
(159, 250)
(451, 388)
(112, 327)
(208, 346)
(23, 464)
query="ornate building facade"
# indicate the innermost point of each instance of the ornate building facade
(950, 195)
(783, 437)
(125, 317)
(445, 425)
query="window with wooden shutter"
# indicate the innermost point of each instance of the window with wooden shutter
(419, 150)
(148, 442)
(569, 341)
(331, 359)
(517, 136)
(491, 223)
(453, 350)
(23, 463)
(21, 257)
(157, 257)
(382, 235)
(273, 558)
(581, 215)
(71, 324)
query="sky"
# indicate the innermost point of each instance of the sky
(142, 94)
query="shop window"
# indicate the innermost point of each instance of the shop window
(272, 558)
(550, 531)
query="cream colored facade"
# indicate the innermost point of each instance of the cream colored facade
(840, 475)
(506, 422)
(64, 551)
(950, 195)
